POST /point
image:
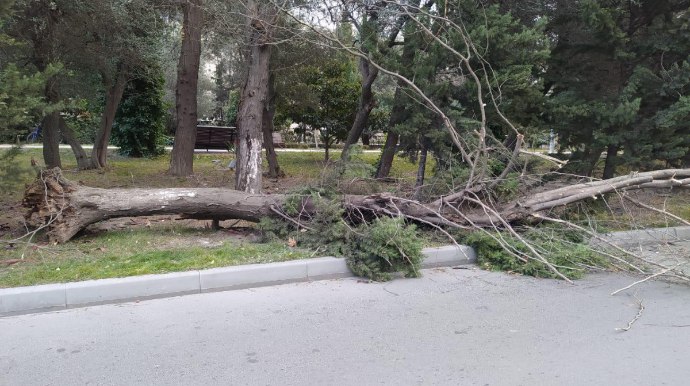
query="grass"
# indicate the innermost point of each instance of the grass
(137, 252)
(611, 213)
(159, 249)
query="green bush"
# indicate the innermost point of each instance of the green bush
(386, 246)
(139, 128)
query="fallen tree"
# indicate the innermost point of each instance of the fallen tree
(63, 208)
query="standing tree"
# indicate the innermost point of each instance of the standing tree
(140, 121)
(260, 21)
(323, 95)
(618, 77)
(182, 157)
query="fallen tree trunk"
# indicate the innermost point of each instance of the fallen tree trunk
(64, 208)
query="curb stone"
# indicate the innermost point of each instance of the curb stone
(22, 300)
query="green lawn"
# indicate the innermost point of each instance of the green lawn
(137, 252)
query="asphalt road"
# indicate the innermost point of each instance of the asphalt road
(452, 327)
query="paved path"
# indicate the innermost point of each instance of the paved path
(452, 327)
(673, 254)
(169, 148)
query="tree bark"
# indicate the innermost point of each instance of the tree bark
(182, 156)
(254, 95)
(421, 168)
(83, 161)
(267, 128)
(64, 208)
(73, 207)
(51, 140)
(113, 96)
(610, 164)
(390, 147)
(367, 102)
(399, 112)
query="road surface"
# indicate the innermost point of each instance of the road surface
(452, 327)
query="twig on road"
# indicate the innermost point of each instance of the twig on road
(633, 320)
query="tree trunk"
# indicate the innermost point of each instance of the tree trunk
(610, 164)
(83, 161)
(254, 97)
(113, 96)
(51, 140)
(367, 102)
(421, 170)
(64, 208)
(182, 156)
(366, 139)
(399, 112)
(383, 169)
(326, 144)
(267, 128)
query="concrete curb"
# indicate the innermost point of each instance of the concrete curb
(40, 298)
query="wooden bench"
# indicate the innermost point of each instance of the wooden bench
(215, 137)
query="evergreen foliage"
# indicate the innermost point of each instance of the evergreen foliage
(12, 173)
(619, 75)
(513, 57)
(21, 100)
(373, 250)
(563, 248)
(139, 128)
(321, 93)
(384, 247)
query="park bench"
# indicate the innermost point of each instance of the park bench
(223, 138)
(215, 137)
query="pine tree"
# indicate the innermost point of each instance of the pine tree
(618, 76)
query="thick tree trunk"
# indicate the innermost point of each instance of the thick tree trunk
(367, 102)
(610, 164)
(383, 169)
(73, 207)
(182, 156)
(113, 96)
(83, 161)
(51, 140)
(267, 128)
(254, 95)
(399, 112)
